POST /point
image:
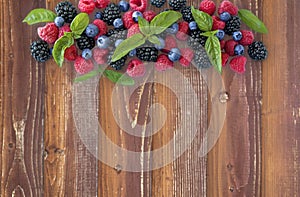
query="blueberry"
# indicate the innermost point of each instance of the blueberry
(174, 54)
(173, 29)
(220, 34)
(132, 53)
(161, 45)
(118, 41)
(135, 15)
(59, 21)
(118, 23)
(193, 25)
(103, 42)
(91, 30)
(225, 16)
(98, 15)
(86, 54)
(239, 49)
(124, 6)
(237, 35)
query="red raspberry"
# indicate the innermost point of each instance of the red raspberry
(247, 38)
(63, 29)
(101, 3)
(86, 6)
(149, 15)
(170, 42)
(138, 5)
(127, 19)
(187, 56)
(229, 47)
(136, 68)
(48, 33)
(134, 29)
(238, 64)
(71, 53)
(183, 30)
(222, 44)
(100, 55)
(83, 66)
(163, 63)
(217, 23)
(225, 58)
(101, 26)
(208, 6)
(227, 6)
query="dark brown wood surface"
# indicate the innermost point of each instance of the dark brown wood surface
(257, 153)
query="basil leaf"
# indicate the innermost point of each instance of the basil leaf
(164, 20)
(213, 49)
(127, 45)
(203, 20)
(118, 78)
(252, 21)
(39, 15)
(59, 48)
(154, 39)
(144, 25)
(86, 76)
(209, 33)
(79, 23)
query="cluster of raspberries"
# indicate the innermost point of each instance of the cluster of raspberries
(113, 23)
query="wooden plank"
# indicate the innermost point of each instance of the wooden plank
(281, 104)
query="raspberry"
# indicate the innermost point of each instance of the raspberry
(238, 63)
(101, 26)
(208, 7)
(134, 29)
(229, 47)
(227, 6)
(149, 15)
(247, 38)
(170, 42)
(127, 19)
(187, 56)
(136, 68)
(71, 53)
(163, 63)
(222, 43)
(101, 3)
(83, 66)
(183, 30)
(63, 29)
(86, 6)
(217, 23)
(48, 33)
(138, 5)
(100, 55)
(225, 58)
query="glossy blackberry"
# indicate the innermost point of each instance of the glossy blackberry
(158, 3)
(147, 53)
(233, 25)
(117, 65)
(195, 40)
(177, 4)
(257, 51)
(187, 14)
(66, 10)
(85, 42)
(201, 59)
(110, 13)
(115, 34)
(40, 51)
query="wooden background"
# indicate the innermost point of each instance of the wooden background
(257, 153)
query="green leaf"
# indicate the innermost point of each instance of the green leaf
(213, 49)
(144, 26)
(59, 48)
(252, 21)
(127, 45)
(164, 20)
(86, 76)
(118, 78)
(39, 15)
(79, 23)
(203, 20)
(154, 39)
(209, 33)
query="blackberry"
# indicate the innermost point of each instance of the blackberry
(187, 14)
(177, 4)
(115, 34)
(257, 51)
(40, 51)
(232, 25)
(201, 58)
(195, 40)
(158, 3)
(147, 53)
(85, 42)
(117, 65)
(66, 10)
(110, 13)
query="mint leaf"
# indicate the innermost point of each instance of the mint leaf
(213, 49)
(79, 23)
(118, 78)
(252, 21)
(86, 76)
(127, 45)
(59, 48)
(209, 33)
(203, 20)
(164, 20)
(144, 25)
(39, 15)
(154, 39)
